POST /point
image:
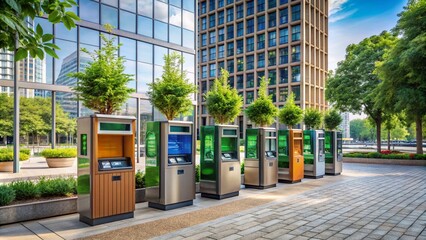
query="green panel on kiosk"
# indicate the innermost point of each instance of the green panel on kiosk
(283, 148)
(184, 129)
(108, 126)
(328, 147)
(229, 132)
(308, 146)
(152, 145)
(229, 145)
(207, 160)
(252, 143)
(83, 144)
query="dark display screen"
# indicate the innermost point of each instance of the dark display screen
(112, 164)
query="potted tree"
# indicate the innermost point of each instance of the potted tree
(260, 143)
(220, 143)
(170, 145)
(313, 144)
(60, 157)
(333, 143)
(6, 158)
(290, 144)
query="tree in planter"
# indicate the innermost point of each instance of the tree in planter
(223, 102)
(290, 114)
(332, 119)
(102, 86)
(170, 93)
(312, 118)
(262, 111)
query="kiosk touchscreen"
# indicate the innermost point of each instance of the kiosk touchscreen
(169, 163)
(290, 158)
(313, 153)
(333, 153)
(220, 174)
(260, 164)
(106, 168)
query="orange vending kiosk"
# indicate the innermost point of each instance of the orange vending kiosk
(106, 168)
(290, 156)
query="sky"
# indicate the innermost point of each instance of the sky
(350, 21)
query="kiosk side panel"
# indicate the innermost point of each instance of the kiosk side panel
(83, 167)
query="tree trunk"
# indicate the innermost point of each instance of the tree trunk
(379, 133)
(389, 138)
(419, 135)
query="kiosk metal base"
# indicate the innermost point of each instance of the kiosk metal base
(289, 181)
(219, 197)
(260, 187)
(332, 174)
(113, 218)
(313, 177)
(170, 206)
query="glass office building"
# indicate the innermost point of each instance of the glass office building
(147, 30)
(283, 40)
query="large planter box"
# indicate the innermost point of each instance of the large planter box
(60, 162)
(6, 166)
(406, 162)
(140, 195)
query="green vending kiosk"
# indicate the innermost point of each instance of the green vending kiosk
(220, 174)
(333, 153)
(169, 163)
(313, 153)
(260, 165)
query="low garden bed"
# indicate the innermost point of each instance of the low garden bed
(385, 154)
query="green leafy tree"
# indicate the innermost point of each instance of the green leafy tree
(170, 93)
(332, 119)
(403, 69)
(223, 102)
(353, 87)
(290, 114)
(262, 111)
(14, 26)
(6, 116)
(312, 118)
(102, 86)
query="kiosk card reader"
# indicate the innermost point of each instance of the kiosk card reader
(169, 163)
(290, 158)
(260, 164)
(220, 172)
(106, 168)
(313, 153)
(333, 153)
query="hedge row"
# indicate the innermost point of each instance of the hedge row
(411, 156)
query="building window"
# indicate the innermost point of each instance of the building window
(250, 62)
(220, 17)
(249, 97)
(272, 39)
(220, 3)
(240, 64)
(260, 5)
(213, 70)
(231, 82)
(204, 56)
(212, 37)
(261, 41)
(240, 46)
(295, 53)
(230, 14)
(203, 8)
(204, 72)
(230, 31)
(250, 26)
(272, 19)
(261, 60)
(260, 23)
(295, 74)
(284, 75)
(212, 21)
(283, 93)
(221, 65)
(240, 11)
(284, 36)
(283, 55)
(240, 82)
(272, 94)
(240, 29)
(221, 35)
(221, 51)
(272, 58)
(296, 91)
(284, 16)
(260, 75)
(250, 80)
(250, 44)
(250, 8)
(295, 33)
(229, 2)
(212, 52)
(272, 75)
(230, 49)
(272, 3)
(204, 86)
(212, 5)
(203, 23)
(231, 66)
(283, 2)
(295, 12)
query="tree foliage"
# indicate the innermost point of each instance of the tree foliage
(102, 86)
(170, 93)
(332, 119)
(223, 102)
(290, 114)
(13, 23)
(262, 111)
(312, 118)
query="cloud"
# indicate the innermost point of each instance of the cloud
(341, 15)
(335, 6)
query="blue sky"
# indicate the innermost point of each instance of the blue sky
(350, 21)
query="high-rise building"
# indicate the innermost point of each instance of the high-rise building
(345, 125)
(284, 41)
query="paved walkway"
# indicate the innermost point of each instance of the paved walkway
(366, 202)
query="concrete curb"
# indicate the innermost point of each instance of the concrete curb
(406, 162)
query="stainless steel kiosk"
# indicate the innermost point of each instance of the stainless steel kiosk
(170, 168)
(220, 172)
(260, 164)
(313, 153)
(333, 153)
(106, 168)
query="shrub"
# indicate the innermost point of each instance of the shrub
(197, 173)
(374, 155)
(8, 157)
(262, 111)
(139, 180)
(59, 153)
(312, 118)
(25, 190)
(242, 167)
(56, 187)
(332, 119)
(290, 114)
(7, 195)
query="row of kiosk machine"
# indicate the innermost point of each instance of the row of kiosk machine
(106, 163)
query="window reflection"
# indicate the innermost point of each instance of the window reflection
(66, 63)
(145, 76)
(109, 15)
(63, 33)
(188, 39)
(89, 11)
(188, 20)
(159, 53)
(127, 48)
(144, 52)
(89, 36)
(145, 26)
(175, 16)
(127, 21)
(129, 5)
(175, 35)
(130, 68)
(160, 30)
(161, 11)
(145, 8)
(188, 5)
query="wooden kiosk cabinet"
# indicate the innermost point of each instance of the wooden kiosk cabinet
(106, 168)
(290, 158)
